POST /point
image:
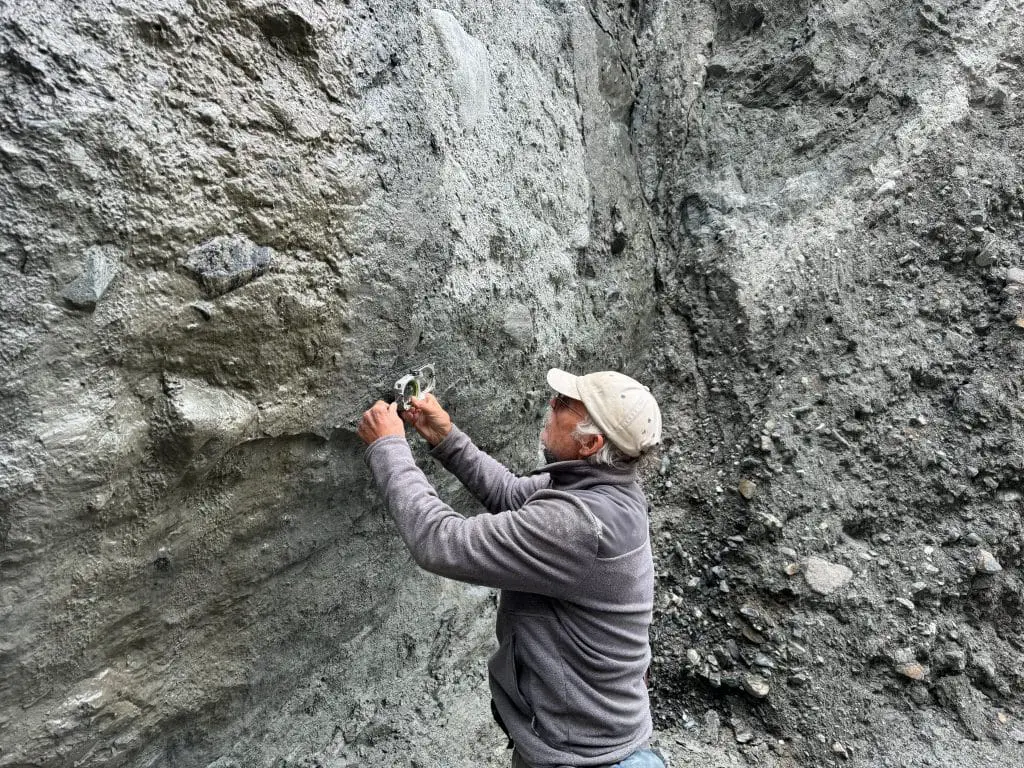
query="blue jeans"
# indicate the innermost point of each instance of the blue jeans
(642, 758)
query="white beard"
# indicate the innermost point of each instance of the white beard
(544, 456)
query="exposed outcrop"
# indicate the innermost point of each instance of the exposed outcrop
(838, 216)
(229, 227)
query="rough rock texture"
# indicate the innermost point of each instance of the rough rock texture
(838, 216)
(307, 199)
(229, 226)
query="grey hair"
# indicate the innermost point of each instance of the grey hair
(609, 454)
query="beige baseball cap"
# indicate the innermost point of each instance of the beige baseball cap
(622, 407)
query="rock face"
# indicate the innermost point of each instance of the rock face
(268, 212)
(229, 227)
(838, 222)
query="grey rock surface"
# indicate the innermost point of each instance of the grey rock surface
(801, 223)
(834, 228)
(305, 200)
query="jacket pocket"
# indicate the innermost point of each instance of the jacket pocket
(507, 674)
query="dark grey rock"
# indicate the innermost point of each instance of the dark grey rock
(951, 660)
(226, 263)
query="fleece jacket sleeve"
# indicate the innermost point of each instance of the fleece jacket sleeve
(486, 478)
(547, 546)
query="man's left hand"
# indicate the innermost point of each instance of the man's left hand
(382, 420)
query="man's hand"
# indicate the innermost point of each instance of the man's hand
(382, 420)
(429, 418)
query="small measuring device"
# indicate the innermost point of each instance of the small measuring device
(414, 384)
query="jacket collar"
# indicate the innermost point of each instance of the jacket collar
(577, 475)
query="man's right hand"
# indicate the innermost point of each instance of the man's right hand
(429, 418)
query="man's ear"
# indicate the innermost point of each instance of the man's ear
(590, 444)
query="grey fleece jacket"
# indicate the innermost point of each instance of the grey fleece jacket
(568, 547)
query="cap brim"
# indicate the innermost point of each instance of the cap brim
(564, 383)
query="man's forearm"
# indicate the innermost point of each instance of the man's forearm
(497, 488)
(409, 496)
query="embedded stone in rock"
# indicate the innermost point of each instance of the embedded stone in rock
(101, 267)
(1015, 275)
(518, 326)
(472, 78)
(985, 562)
(756, 686)
(747, 488)
(200, 413)
(888, 188)
(912, 669)
(771, 523)
(226, 263)
(286, 30)
(825, 577)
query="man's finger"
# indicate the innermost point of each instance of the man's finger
(427, 403)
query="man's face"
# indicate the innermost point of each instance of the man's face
(556, 439)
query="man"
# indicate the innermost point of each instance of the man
(568, 546)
